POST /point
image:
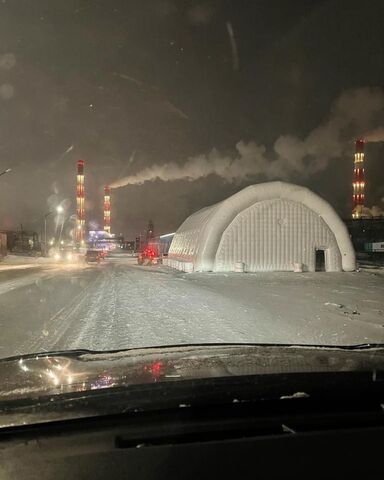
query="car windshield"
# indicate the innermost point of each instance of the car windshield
(190, 172)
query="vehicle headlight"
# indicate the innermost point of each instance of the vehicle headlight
(57, 256)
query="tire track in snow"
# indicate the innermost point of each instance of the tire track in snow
(16, 283)
(129, 306)
(151, 309)
(133, 307)
(55, 328)
(91, 323)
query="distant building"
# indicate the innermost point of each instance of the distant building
(129, 245)
(273, 226)
(365, 230)
(103, 240)
(165, 242)
(138, 244)
(22, 241)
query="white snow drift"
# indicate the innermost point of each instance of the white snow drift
(272, 226)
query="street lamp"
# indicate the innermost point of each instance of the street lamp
(59, 209)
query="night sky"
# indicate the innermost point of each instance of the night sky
(127, 84)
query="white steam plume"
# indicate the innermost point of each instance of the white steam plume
(376, 135)
(355, 111)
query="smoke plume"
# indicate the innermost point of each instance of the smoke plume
(354, 112)
(376, 135)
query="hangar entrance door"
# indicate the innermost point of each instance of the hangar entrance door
(320, 260)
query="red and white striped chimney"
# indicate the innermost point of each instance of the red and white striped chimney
(358, 184)
(80, 202)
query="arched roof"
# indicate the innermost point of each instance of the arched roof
(199, 236)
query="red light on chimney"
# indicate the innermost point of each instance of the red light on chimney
(359, 146)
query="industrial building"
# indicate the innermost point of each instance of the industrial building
(104, 240)
(364, 232)
(272, 226)
(19, 241)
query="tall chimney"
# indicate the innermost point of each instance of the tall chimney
(80, 201)
(107, 209)
(358, 184)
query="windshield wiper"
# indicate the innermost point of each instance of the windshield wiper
(83, 351)
(362, 346)
(54, 353)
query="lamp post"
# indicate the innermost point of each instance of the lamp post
(59, 209)
(45, 232)
(64, 221)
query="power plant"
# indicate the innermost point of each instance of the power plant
(366, 226)
(363, 218)
(358, 184)
(80, 203)
(107, 210)
(80, 234)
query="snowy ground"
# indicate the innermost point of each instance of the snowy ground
(121, 305)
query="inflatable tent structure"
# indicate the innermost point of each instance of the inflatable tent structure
(272, 226)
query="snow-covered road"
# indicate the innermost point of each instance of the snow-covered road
(121, 305)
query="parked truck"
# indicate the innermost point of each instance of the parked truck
(155, 250)
(149, 255)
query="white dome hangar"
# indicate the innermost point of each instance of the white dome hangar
(267, 227)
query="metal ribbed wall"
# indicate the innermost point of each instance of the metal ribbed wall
(275, 234)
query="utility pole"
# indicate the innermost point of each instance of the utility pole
(45, 232)
(150, 233)
(21, 237)
(59, 209)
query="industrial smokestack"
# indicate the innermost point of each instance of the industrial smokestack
(107, 209)
(80, 203)
(358, 184)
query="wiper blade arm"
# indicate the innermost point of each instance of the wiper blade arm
(363, 346)
(84, 351)
(55, 353)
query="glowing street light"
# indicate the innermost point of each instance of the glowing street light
(59, 209)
